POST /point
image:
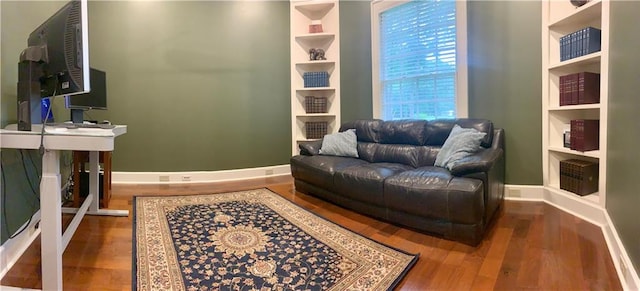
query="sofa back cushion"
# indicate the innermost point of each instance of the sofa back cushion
(415, 156)
(366, 130)
(411, 142)
(411, 132)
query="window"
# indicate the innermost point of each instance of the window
(419, 59)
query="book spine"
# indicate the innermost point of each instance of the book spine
(591, 135)
(572, 45)
(574, 88)
(576, 134)
(561, 89)
(579, 46)
(589, 88)
(593, 41)
(581, 88)
(585, 41)
(563, 48)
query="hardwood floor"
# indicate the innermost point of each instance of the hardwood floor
(530, 246)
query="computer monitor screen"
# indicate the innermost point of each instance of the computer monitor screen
(96, 99)
(55, 63)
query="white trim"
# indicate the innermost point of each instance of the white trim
(10, 288)
(523, 192)
(570, 203)
(198, 176)
(462, 80)
(586, 210)
(12, 249)
(630, 279)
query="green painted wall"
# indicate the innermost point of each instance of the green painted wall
(623, 139)
(202, 85)
(505, 80)
(355, 60)
(20, 189)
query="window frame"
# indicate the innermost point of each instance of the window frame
(461, 80)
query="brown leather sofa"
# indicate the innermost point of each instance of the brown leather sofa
(394, 177)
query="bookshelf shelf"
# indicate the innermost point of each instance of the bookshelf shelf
(304, 14)
(315, 36)
(575, 63)
(315, 63)
(584, 14)
(590, 154)
(315, 115)
(313, 89)
(575, 107)
(560, 18)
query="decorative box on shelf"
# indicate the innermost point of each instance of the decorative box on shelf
(315, 79)
(313, 104)
(315, 26)
(566, 136)
(315, 129)
(579, 176)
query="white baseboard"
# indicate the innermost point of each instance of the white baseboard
(12, 249)
(523, 192)
(198, 176)
(588, 211)
(628, 274)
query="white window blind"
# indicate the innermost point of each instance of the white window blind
(418, 60)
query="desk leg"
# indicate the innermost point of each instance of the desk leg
(94, 180)
(51, 223)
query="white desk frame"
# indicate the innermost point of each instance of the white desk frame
(53, 241)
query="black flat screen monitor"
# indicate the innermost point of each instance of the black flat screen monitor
(96, 99)
(55, 63)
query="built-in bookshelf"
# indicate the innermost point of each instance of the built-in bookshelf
(559, 20)
(314, 25)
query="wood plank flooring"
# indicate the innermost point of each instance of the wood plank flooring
(530, 246)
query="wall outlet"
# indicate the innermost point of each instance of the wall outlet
(268, 172)
(164, 178)
(186, 178)
(515, 193)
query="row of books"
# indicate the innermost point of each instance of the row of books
(316, 79)
(579, 176)
(579, 88)
(584, 135)
(580, 43)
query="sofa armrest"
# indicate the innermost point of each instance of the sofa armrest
(310, 148)
(481, 161)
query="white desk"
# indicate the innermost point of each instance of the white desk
(53, 241)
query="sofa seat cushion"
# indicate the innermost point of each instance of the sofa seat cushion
(365, 182)
(319, 170)
(434, 192)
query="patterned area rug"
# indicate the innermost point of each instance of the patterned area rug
(253, 240)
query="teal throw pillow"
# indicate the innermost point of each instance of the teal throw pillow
(462, 142)
(343, 144)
